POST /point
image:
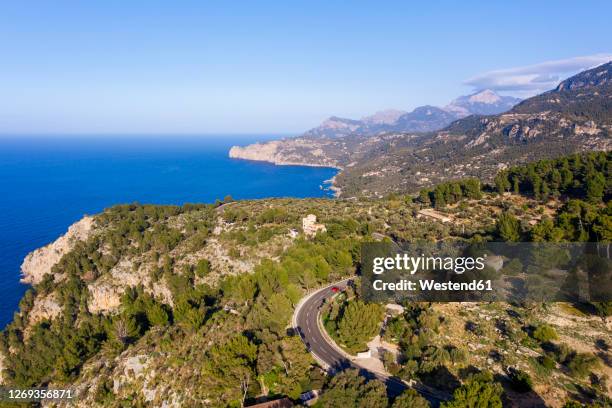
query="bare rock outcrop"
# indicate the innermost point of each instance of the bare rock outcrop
(38, 263)
(46, 307)
(104, 297)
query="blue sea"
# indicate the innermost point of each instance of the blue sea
(47, 183)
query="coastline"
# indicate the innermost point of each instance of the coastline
(269, 155)
(333, 187)
(290, 163)
(337, 191)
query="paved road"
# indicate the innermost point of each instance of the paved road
(332, 358)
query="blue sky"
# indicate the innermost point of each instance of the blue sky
(274, 66)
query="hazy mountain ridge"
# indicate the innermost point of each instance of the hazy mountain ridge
(575, 116)
(424, 118)
(334, 127)
(340, 141)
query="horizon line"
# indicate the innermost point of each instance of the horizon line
(145, 134)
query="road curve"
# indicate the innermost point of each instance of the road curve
(306, 322)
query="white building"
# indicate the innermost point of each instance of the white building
(310, 226)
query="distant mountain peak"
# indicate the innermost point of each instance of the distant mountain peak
(384, 117)
(483, 102)
(334, 126)
(484, 96)
(334, 120)
(426, 110)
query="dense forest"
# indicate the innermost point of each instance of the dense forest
(584, 176)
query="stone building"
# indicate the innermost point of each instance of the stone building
(310, 226)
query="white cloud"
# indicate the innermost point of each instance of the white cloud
(532, 79)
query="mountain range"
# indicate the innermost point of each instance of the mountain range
(575, 116)
(422, 119)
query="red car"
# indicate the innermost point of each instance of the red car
(335, 289)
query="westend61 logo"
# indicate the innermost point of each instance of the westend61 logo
(493, 271)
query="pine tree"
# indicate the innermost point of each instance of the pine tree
(410, 399)
(157, 315)
(350, 390)
(359, 323)
(508, 227)
(202, 268)
(515, 184)
(595, 187)
(501, 182)
(479, 391)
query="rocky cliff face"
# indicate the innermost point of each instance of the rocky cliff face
(305, 152)
(259, 151)
(46, 307)
(40, 262)
(104, 292)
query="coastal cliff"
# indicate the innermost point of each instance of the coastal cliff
(299, 152)
(259, 152)
(38, 263)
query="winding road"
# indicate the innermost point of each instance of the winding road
(307, 322)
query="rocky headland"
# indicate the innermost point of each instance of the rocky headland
(287, 152)
(38, 263)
